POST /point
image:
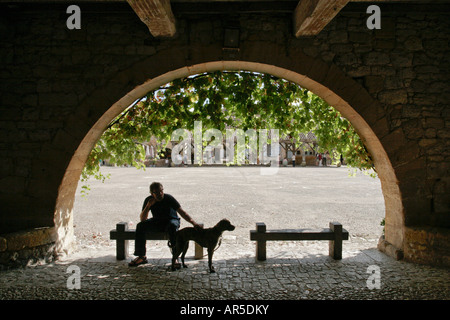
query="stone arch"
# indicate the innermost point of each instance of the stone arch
(327, 81)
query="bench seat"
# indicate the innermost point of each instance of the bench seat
(335, 234)
(122, 235)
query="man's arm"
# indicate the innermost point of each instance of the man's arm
(145, 211)
(186, 217)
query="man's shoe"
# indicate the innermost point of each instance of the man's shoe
(138, 261)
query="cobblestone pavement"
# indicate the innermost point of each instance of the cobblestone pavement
(299, 270)
(293, 271)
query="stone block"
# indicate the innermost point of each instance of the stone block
(399, 96)
(412, 129)
(338, 37)
(408, 152)
(380, 127)
(426, 143)
(443, 133)
(29, 239)
(376, 59)
(374, 84)
(413, 44)
(433, 123)
(347, 59)
(389, 249)
(359, 37)
(411, 111)
(427, 245)
(393, 141)
(358, 71)
(402, 59)
(385, 44)
(383, 70)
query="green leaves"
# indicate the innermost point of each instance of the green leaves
(240, 100)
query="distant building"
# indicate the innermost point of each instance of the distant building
(304, 147)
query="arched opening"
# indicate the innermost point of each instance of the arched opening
(394, 209)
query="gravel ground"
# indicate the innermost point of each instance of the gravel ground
(293, 198)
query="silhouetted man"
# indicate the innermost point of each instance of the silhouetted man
(165, 209)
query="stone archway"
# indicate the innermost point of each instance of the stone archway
(347, 96)
(58, 88)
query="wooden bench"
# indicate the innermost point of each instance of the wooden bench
(335, 234)
(122, 235)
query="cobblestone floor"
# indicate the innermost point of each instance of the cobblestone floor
(293, 271)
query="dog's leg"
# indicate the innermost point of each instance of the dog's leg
(185, 249)
(210, 255)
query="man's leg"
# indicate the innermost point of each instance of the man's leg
(141, 229)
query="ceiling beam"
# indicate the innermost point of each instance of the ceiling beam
(157, 15)
(311, 16)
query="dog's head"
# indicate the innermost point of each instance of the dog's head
(225, 225)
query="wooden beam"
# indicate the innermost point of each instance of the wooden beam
(157, 15)
(311, 16)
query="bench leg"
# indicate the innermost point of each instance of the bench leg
(121, 245)
(121, 249)
(198, 248)
(335, 246)
(261, 250)
(198, 251)
(261, 244)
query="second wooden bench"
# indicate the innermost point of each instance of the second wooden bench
(335, 235)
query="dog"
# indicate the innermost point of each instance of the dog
(207, 238)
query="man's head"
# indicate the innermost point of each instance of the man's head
(157, 191)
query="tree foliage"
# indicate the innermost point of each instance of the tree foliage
(240, 100)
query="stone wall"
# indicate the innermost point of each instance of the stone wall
(46, 72)
(404, 66)
(55, 84)
(427, 245)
